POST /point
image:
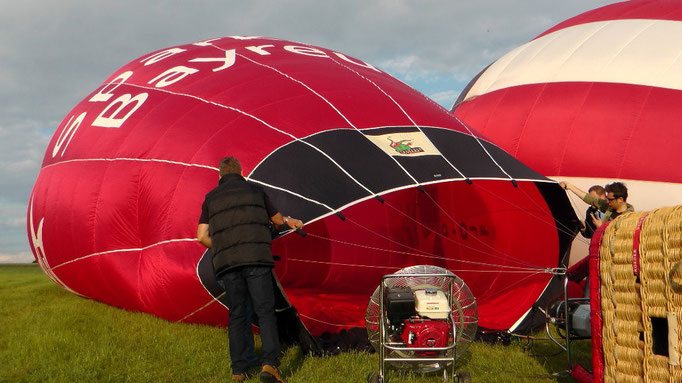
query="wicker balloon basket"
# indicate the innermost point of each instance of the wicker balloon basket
(639, 295)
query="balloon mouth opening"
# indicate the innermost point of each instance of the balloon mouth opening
(479, 231)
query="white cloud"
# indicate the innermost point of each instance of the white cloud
(13, 237)
(22, 147)
(18, 257)
(15, 221)
(401, 65)
(445, 98)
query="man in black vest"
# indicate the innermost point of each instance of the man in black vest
(235, 224)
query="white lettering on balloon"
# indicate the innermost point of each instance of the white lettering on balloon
(124, 106)
(156, 57)
(261, 49)
(106, 92)
(245, 37)
(172, 76)
(205, 43)
(308, 51)
(36, 240)
(36, 237)
(67, 134)
(113, 120)
(227, 61)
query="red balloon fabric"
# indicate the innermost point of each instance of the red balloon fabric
(593, 97)
(383, 177)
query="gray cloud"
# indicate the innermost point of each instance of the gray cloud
(22, 144)
(53, 53)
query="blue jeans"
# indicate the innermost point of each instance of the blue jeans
(254, 282)
(249, 347)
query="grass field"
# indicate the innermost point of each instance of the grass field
(48, 334)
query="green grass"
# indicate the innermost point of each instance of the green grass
(48, 334)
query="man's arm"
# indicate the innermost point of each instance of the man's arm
(203, 235)
(279, 220)
(599, 203)
(575, 190)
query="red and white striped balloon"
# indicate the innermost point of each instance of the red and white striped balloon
(592, 100)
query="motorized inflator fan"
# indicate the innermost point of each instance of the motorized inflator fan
(423, 307)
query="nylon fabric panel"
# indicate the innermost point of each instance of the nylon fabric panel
(422, 168)
(410, 102)
(475, 234)
(174, 124)
(613, 116)
(344, 145)
(458, 148)
(340, 104)
(592, 127)
(155, 285)
(114, 212)
(282, 103)
(578, 114)
(513, 168)
(78, 201)
(641, 9)
(126, 228)
(329, 184)
(307, 210)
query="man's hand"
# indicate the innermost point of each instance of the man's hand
(597, 221)
(293, 223)
(575, 190)
(279, 220)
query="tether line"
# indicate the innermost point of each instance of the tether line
(342, 115)
(428, 255)
(500, 252)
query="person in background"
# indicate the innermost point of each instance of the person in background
(235, 223)
(614, 205)
(592, 213)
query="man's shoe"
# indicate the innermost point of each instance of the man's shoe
(239, 377)
(270, 374)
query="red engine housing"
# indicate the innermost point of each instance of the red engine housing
(426, 333)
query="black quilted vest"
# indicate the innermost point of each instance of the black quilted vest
(238, 224)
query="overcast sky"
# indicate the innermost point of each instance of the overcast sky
(54, 52)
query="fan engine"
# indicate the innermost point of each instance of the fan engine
(423, 312)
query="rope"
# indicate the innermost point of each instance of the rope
(427, 255)
(484, 149)
(406, 115)
(507, 257)
(558, 224)
(453, 219)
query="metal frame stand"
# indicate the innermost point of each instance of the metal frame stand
(385, 346)
(565, 322)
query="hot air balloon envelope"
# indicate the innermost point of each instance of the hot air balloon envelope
(383, 177)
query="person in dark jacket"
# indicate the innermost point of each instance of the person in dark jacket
(613, 206)
(593, 213)
(235, 223)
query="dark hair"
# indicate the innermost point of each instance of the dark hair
(596, 188)
(618, 189)
(230, 165)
